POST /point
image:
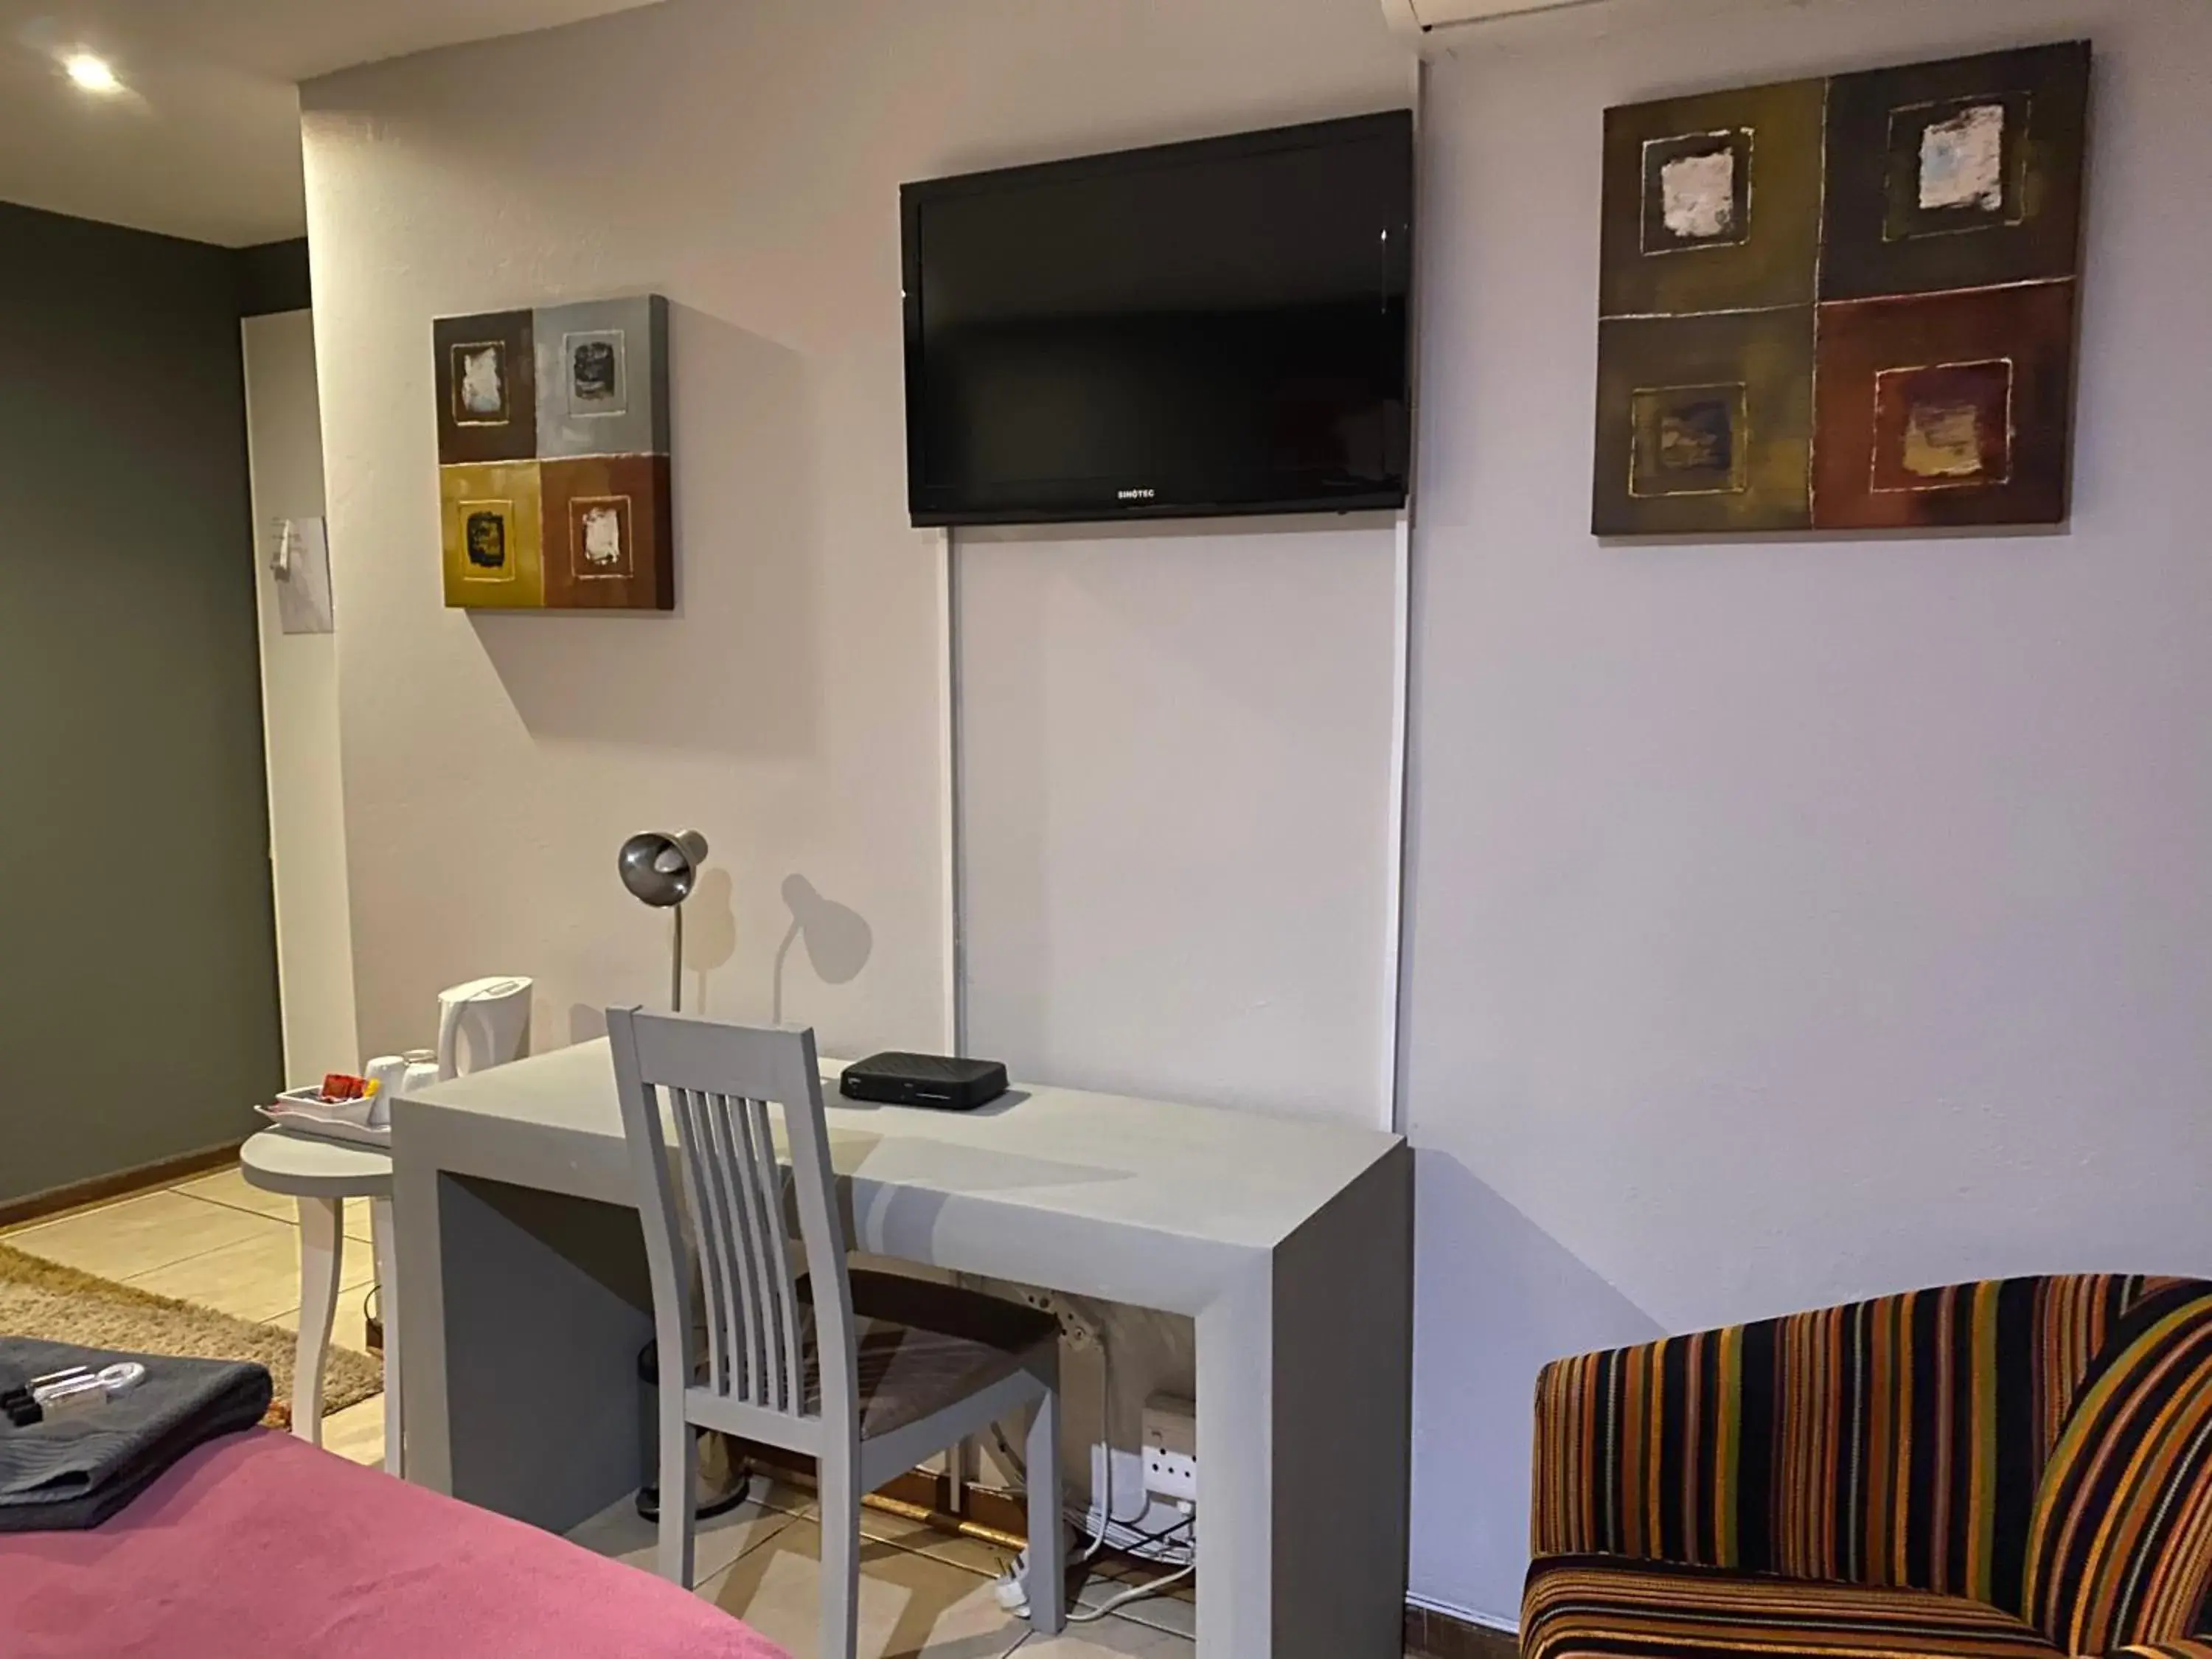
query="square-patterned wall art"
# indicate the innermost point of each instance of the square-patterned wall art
(553, 458)
(1845, 304)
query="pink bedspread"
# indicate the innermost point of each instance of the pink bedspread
(258, 1544)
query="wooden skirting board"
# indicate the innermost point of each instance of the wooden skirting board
(994, 1518)
(78, 1194)
(1434, 1635)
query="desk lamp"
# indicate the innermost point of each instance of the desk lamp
(661, 870)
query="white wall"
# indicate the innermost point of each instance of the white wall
(300, 711)
(744, 161)
(1175, 800)
(1799, 920)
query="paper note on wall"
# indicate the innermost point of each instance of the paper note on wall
(300, 559)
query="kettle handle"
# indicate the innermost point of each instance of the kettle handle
(449, 1035)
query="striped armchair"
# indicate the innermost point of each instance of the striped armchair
(2009, 1470)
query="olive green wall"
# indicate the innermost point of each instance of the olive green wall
(138, 1014)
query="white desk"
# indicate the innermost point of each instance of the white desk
(524, 1295)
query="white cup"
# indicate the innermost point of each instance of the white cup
(389, 1073)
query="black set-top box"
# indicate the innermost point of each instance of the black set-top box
(932, 1080)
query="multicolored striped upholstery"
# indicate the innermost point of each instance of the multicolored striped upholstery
(2040, 1446)
(1594, 1607)
(2119, 1548)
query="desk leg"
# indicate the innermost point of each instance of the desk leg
(1235, 1469)
(1305, 1410)
(524, 1311)
(417, 1305)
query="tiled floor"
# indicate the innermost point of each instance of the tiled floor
(921, 1592)
(217, 1241)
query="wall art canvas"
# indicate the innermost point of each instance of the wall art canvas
(1844, 304)
(553, 458)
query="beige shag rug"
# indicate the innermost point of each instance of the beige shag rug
(42, 1299)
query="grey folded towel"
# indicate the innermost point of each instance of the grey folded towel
(75, 1471)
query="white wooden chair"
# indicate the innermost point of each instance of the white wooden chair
(866, 1373)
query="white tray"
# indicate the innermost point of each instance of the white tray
(302, 1112)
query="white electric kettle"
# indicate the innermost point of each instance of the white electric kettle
(483, 1023)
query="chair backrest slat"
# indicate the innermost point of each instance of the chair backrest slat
(720, 1081)
(770, 1176)
(764, 1302)
(760, 1175)
(741, 1310)
(714, 1271)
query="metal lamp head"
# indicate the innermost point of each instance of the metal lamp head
(662, 869)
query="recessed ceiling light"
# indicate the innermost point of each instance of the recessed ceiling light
(92, 73)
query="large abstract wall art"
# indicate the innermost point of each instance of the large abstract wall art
(1845, 304)
(553, 473)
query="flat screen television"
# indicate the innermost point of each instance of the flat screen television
(1192, 330)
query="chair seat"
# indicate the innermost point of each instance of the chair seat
(1597, 1606)
(923, 1345)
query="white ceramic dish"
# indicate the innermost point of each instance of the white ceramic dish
(303, 1112)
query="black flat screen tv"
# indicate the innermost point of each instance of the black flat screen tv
(1193, 329)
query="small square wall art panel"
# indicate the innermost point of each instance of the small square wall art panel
(553, 458)
(1844, 304)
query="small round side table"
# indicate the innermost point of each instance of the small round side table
(321, 1175)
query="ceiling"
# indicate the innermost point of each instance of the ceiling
(204, 140)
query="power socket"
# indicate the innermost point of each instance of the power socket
(1171, 1447)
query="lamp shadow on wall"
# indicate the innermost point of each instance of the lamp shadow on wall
(735, 668)
(1496, 1298)
(710, 935)
(837, 939)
